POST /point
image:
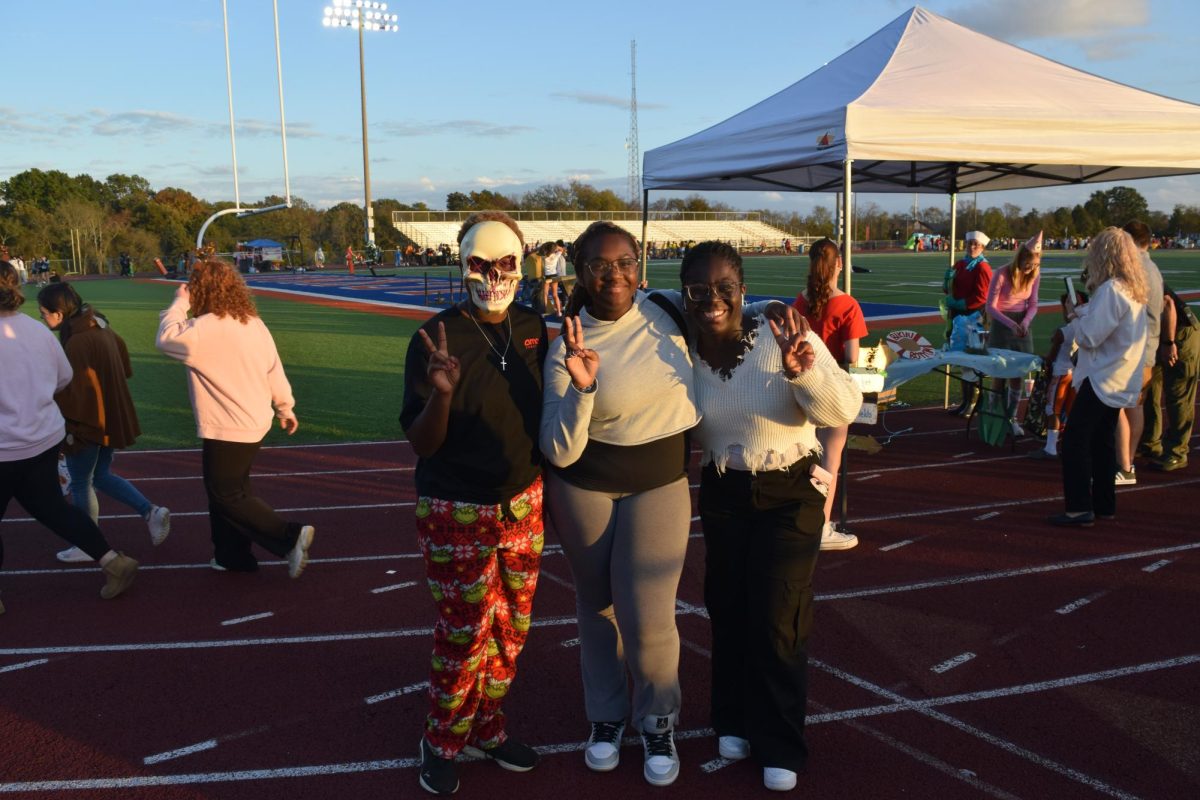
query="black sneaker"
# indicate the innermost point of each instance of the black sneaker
(511, 755)
(438, 775)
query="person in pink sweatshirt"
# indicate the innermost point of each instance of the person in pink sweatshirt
(34, 367)
(234, 379)
(1012, 305)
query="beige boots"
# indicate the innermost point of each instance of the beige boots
(119, 573)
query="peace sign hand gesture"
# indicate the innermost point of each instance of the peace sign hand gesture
(443, 370)
(798, 354)
(582, 364)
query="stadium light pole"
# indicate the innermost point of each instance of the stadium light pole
(371, 16)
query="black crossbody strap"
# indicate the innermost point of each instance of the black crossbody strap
(666, 305)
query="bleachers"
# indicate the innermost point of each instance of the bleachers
(430, 229)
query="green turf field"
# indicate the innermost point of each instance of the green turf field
(346, 367)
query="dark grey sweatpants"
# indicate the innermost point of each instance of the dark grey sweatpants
(626, 553)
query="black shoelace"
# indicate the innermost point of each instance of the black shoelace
(659, 744)
(609, 732)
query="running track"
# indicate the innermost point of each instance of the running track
(964, 649)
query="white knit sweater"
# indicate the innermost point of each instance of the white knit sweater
(758, 419)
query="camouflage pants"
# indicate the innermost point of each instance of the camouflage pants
(482, 567)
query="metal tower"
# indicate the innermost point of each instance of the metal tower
(631, 143)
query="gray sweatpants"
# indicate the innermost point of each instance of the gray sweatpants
(626, 553)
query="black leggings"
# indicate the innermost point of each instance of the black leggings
(236, 516)
(34, 483)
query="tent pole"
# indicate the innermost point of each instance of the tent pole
(645, 227)
(847, 261)
(953, 224)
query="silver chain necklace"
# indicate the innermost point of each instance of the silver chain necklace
(503, 363)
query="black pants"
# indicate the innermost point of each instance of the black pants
(236, 516)
(1089, 455)
(34, 483)
(762, 534)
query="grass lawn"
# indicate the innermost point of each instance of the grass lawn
(347, 367)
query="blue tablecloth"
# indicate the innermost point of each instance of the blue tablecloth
(995, 364)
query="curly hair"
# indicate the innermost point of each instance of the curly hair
(1112, 255)
(823, 257)
(712, 250)
(217, 288)
(10, 288)
(489, 216)
(596, 231)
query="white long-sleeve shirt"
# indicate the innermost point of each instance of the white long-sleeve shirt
(33, 368)
(758, 418)
(1111, 333)
(234, 372)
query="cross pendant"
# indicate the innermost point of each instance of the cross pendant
(503, 364)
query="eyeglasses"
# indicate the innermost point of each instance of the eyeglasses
(482, 266)
(599, 267)
(697, 292)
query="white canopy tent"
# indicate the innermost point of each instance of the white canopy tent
(926, 105)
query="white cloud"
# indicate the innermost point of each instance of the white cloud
(463, 127)
(1059, 19)
(774, 197)
(484, 180)
(609, 100)
(427, 184)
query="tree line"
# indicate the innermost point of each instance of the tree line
(41, 211)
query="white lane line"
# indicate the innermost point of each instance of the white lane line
(1075, 605)
(1157, 565)
(720, 762)
(126, 454)
(897, 545)
(261, 475)
(379, 698)
(951, 663)
(998, 575)
(964, 455)
(1087, 780)
(37, 662)
(251, 618)
(199, 747)
(544, 573)
(936, 464)
(569, 643)
(1007, 691)
(988, 515)
(688, 608)
(1011, 503)
(178, 514)
(393, 587)
(870, 477)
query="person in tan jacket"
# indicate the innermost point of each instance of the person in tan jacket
(98, 409)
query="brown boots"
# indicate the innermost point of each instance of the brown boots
(118, 573)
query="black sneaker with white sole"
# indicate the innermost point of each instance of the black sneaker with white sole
(438, 775)
(511, 755)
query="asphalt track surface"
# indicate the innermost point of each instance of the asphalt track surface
(964, 649)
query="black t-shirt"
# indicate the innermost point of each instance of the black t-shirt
(491, 448)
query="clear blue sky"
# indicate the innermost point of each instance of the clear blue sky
(475, 94)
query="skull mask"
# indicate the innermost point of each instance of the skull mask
(491, 265)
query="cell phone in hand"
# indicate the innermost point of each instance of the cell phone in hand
(1071, 296)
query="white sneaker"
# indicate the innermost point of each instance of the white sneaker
(1126, 478)
(297, 557)
(1017, 430)
(778, 779)
(213, 563)
(73, 555)
(159, 523)
(661, 767)
(603, 750)
(833, 539)
(735, 748)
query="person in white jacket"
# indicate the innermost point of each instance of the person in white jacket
(34, 367)
(235, 377)
(1111, 333)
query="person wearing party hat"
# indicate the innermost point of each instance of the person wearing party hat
(966, 287)
(1012, 305)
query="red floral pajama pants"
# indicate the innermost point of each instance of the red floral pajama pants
(482, 567)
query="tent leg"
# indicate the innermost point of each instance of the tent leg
(645, 228)
(847, 260)
(953, 224)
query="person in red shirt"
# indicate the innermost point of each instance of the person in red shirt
(966, 284)
(838, 319)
